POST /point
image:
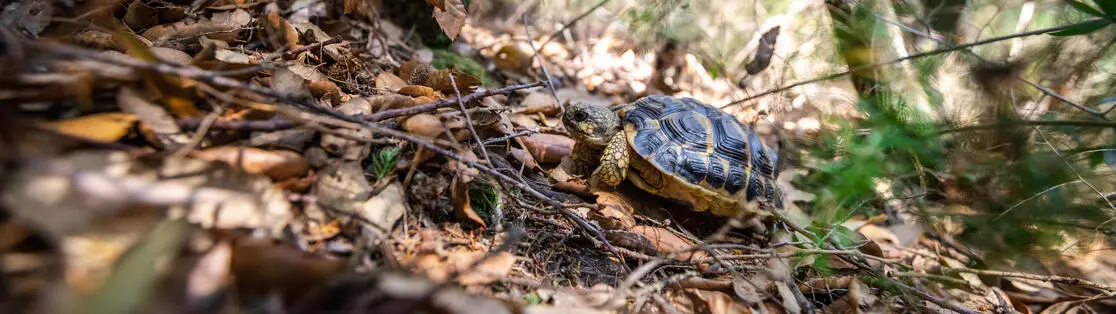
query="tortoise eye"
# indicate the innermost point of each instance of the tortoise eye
(580, 116)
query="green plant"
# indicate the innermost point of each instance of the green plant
(382, 162)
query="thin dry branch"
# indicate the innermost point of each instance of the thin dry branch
(911, 57)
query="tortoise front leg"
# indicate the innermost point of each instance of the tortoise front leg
(614, 162)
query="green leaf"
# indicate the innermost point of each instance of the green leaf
(1085, 8)
(1108, 6)
(1083, 28)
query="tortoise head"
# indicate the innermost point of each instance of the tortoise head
(591, 124)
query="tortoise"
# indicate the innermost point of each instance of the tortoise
(677, 148)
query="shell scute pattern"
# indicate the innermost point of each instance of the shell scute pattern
(700, 145)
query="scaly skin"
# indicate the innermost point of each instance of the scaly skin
(593, 128)
(614, 162)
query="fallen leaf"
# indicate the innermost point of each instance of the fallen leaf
(712, 302)
(668, 242)
(286, 80)
(441, 81)
(424, 124)
(438, 4)
(451, 17)
(615, 211)
(390, 82)
(524, 158)
(276, 164)
(211, 272)
(547, 149)
(462, 205)
(385, 102)
(156, 124)
(539, 102)
(326, 90)
(490, 270)
(280, 32)
(107, 185)
(418, 91)
(100, 127)
(384, 209)
(261, 267)
(140, 16)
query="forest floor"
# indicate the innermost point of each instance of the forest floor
(317, 157)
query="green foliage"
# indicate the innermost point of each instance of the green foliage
(484, 196)
(382, 163)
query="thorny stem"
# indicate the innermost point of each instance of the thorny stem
(911, 57)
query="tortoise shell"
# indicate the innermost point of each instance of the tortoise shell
(707, 156)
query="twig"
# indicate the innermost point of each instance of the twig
(911, 57)
(243, 125)
(549, 82)
(1080, 123)
(1054, 94)
(509, 136)
(1079, 176)
(571, 22)
(469, 121)
(301, 103)
(442, 103)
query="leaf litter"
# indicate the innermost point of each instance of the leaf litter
(203, 171)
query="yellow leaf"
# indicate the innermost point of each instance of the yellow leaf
(102, 127)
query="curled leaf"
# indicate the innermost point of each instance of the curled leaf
(101, 127)
(277, 164)
(548, 148)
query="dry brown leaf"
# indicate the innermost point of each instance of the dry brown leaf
(424, 124)
(326, 90)
(668, 242)
(276, 164)
(451, 17)
(211, 272)
(525, 158)
(140, 16)
(438, 4)
(418, 91)
(440, 80)
(459, 194)
(712, 302)
(615, 213)
(390, 82)
(548, 149)
(280, 32)
(384, 209)
(539, 102)
(385, 102)
(490, 270)
(176, 93)
(100, 127)
(155, 123)
(106, 184)
(262, 266)
(886, 241)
